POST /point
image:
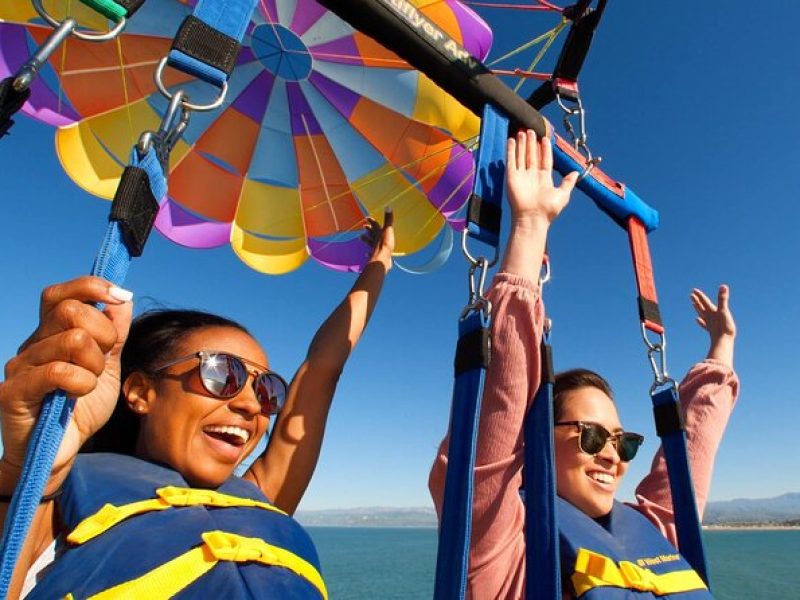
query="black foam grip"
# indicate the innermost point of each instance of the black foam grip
(130, 6)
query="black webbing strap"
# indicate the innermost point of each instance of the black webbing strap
(668, 418)
(199, 40)
(564, 81)
(135, 208)
(11, 102)
(486, 215)
(473, 351)
(130, 6)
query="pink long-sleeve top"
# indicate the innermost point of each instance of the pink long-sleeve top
(497, 548)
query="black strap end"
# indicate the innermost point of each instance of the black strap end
(135, 208)
(473, 351)
(486, 215)
(649, 311)
(208, 45)
(669, 418)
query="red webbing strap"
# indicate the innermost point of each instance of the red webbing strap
(649, 313)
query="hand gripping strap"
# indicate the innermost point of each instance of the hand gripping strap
(542, 559)
(112, 264)
(452, 558)
(212, 60)
(485, 203)
(684, 506)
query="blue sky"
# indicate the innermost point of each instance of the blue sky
(691, 108)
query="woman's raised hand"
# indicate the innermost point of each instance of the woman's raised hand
(717, 320)
(531, 193)
(381, 239)
(76, 348)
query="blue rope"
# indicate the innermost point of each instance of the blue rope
(111, 263)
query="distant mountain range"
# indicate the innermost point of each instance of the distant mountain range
(742, 511)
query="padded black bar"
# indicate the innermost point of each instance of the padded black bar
(649, 311)
(135, 207)
(473, 351)
(669, 418)
(201, 41)
(400, 27)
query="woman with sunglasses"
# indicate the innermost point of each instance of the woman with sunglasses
(173, 402)
(592, 450)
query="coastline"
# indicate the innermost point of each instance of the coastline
(751, 527)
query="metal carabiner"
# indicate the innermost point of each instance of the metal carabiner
(473, 260)
(657, 356)
(169, 132)
(476, 276)
(89, 36)
(198, 107)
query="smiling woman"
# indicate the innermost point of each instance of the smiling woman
(607, 549)
(167, 407)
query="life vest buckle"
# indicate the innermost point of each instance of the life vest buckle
(236, 548)
(637, 577)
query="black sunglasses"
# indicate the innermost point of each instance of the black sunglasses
(224, 375)
(594, 437)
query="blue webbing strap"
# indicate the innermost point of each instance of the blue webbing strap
(452, 559)
(228, 17)
(684, 505)
(112, 264)
(472, 356)
(542, 555)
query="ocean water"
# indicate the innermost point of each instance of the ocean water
(387, 564)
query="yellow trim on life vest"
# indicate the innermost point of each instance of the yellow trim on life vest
(173, 576)
(595, 570)
(170, 496)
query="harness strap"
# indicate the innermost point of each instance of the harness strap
(110, 515)
(649, 313)
(684, 505)
(471, 361)
(180, 572)
(564, 81)
(666, 408)
(542, 557)
(595, 570)
(209, 41)
(111, 263)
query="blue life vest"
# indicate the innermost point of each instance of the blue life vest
(622, 557)
(137, 530)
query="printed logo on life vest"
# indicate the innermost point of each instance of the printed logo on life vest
(657, 560)
(420, 22)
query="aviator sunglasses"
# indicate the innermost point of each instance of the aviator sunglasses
(224, 375)
(594, 437)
